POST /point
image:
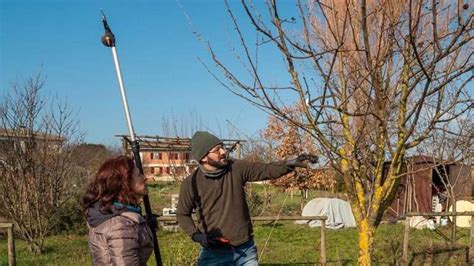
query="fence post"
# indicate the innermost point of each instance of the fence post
(471, 246)
(11, 245)
(405, 241)
(238, 150)
(322, 257)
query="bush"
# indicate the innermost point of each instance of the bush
(70, 218)
(255, 203)
(258, 201)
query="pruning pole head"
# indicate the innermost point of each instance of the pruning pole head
(108, 39)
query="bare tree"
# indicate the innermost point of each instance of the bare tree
(36, 169)
(258, 149)
(181, 127)
(178, 161)
(373, 80)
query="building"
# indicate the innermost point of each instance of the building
(13, 139)
(424, 185)
(168, 159)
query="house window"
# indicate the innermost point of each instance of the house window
(152, 169)
(160, 157)
(155, 155)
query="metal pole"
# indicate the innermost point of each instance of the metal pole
(123, 93)
(109, 40)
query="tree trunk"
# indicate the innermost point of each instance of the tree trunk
(304, 197)
(453, 229)
(366, 240)
(35, 246)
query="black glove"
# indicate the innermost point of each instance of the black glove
(203, 239)
(208, 241)
(300, 160)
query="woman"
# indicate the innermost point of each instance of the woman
(118, 234)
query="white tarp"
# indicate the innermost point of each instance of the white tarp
(338, 211)
(420, 222)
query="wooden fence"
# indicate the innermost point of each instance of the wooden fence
(433, 214)
(322, 247)
(11, 243)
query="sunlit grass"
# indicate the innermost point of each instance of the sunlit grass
(288, 243)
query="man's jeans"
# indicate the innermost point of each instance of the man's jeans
(245, 254)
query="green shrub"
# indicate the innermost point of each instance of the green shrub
(258, 199)
(70, 218)
(255, 203)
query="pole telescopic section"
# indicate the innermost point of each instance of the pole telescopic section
(108, 39)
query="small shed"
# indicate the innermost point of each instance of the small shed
(423, 187)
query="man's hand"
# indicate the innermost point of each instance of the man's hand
(207, 241)
(302, 160)
(203, 239)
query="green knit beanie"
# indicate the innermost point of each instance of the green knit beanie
(201, 143)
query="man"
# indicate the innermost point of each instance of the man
(216, 191)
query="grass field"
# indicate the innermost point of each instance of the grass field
(287, 244)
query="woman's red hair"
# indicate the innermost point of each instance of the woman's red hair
(112, 183)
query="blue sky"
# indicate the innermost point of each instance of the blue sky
(158, 55)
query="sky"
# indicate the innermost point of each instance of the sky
(158, 54)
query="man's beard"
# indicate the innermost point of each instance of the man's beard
(218, 163)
